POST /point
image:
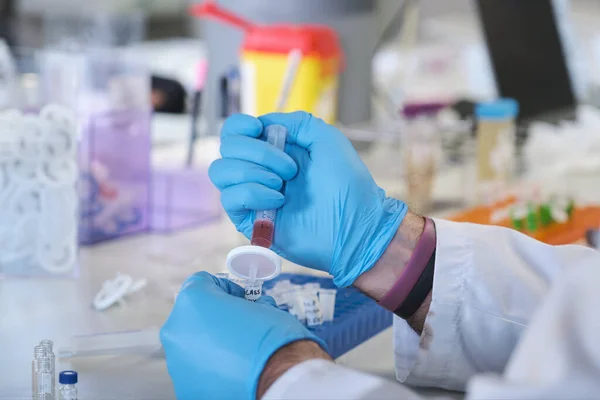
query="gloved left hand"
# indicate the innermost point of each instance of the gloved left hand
(217, 343)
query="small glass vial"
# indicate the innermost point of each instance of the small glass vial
(42, 375)
(47, 345)
(39, 352)
(67, 389)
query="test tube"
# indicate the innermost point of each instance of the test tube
(264, 223)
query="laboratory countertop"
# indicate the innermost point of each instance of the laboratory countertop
(35, 309)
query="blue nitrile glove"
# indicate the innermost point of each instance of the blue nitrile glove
(334, 217)
(217, 343)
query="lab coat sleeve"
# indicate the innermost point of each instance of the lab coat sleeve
(319, 379)
(559, 355)
(488, 283)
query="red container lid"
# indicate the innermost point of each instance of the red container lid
(317, 40)
(309, 39)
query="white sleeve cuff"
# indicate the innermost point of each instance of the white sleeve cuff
(320, 379)
(434, 359)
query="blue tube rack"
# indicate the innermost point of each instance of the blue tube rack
(357, 317)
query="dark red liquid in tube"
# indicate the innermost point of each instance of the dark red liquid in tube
(262, 234)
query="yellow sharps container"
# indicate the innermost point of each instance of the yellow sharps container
(265, 55)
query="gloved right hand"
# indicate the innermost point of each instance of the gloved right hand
(333, 217)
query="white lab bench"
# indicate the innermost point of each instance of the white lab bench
(31, 310)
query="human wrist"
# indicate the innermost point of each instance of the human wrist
(406, 254)
(377, 281)
(286, 358)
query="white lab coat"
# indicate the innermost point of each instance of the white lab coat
(510, 318)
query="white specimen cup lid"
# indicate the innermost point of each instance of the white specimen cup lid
(241, 261)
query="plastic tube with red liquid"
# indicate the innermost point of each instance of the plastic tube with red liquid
(264, 222)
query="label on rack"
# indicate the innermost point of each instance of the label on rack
(314, 316)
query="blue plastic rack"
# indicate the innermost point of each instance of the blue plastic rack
(357, 318)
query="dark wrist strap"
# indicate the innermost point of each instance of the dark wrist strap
(419, 293)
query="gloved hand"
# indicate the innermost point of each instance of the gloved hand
(333, 216)
(217, 343)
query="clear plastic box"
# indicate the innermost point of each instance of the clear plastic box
(115, 111)
(110, 92)
(183, 198)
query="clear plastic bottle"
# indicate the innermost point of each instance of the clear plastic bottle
(67, 389)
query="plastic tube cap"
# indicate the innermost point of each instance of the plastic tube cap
(498, 109)
(67, 378)
(242, 260)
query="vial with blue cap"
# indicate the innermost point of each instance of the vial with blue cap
(67, 389)
(496, 136)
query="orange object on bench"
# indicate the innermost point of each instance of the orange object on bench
(583, 218)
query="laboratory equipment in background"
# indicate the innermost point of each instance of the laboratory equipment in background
(89, 67)
(551, 218)
(7, 28)
(8, 76)
(495, 148)
(201, 71)
(421, 152)
(110, 90)
(356, 23)
(168, 96)
(230, 91)
(38, 177)
(38, 198)
(592, 237)
(67, 389)
(545, 82)
(112, 343)
(92, 25)
(115, 148)
(265, 57)
(114, 291)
